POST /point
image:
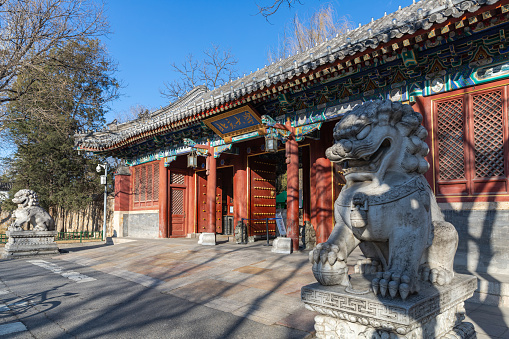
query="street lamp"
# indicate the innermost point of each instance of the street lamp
(104, 182)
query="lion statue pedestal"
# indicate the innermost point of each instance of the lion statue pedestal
(30, 243)
(40, 240)
(406, 286)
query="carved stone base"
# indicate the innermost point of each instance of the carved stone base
(30, 243)
(282, 245)
(207, 239)
(309, 235)
(355, 312)
(241, 233)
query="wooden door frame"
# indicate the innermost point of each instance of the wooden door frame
(170, 202)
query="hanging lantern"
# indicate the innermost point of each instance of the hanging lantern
(192, 159)
(270, 143)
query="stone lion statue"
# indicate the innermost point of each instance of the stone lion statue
(30, 213)
(386, 206)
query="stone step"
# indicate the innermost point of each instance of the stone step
(492, 288)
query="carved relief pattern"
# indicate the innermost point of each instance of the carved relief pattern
(488, 134)
(448, 324)
(354, 305)
(23, 243)
(450, 139)
(383, 314)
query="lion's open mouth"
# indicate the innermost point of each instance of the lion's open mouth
(366, 162)
(19, 200)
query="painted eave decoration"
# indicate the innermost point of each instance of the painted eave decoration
(239, 121)
(425, 23)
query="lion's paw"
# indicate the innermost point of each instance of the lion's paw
(436, 276)
(392, 283)
(325, 252)
(329, 267)
(367, 266)
(14, 228)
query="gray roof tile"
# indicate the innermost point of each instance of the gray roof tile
(405, 21)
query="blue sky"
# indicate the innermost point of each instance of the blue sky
(147, 36)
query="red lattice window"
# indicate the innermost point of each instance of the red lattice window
(156, 183)
(450, 139)
(177, 178)
(136, 186)
(146, 185)
(488, 134)
(177, 198)
(143, 184)
(470, 150)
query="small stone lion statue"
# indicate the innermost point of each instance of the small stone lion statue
(386, 206)
(30, 213)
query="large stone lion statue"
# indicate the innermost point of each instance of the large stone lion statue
(30, 213)
(386, 206)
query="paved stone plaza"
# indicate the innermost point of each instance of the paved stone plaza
(171, 288)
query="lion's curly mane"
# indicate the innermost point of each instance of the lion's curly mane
(400, 116)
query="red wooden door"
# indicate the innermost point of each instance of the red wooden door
(177, 204)
(177, 208)
(202, 201)
(219, 206)
(262, 196)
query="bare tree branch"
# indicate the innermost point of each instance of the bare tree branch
(76, 79)
(267, 11)
(216, 69)
(301, 35)
(29, 29)
(134, 112)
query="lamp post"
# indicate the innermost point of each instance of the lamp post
(104, 182)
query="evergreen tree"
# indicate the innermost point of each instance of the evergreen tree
(73, 98)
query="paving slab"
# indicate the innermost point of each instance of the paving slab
(176, 288)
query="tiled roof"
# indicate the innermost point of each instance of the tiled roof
(421, 15)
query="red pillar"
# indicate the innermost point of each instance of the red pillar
(240, 186)
(292, 191)
(211, 192)
(163, 200)
(321, 203)
(313, 155)
(192, 202)
(306, 197)
(322, 212)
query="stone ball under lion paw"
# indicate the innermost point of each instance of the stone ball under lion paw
(328, 275)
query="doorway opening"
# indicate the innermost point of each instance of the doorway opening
(224, 201)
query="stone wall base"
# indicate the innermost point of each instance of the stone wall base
(30, 243)
(207, 239)
(282, 245)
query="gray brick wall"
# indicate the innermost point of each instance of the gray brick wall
(142, 225)
(483, 239)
